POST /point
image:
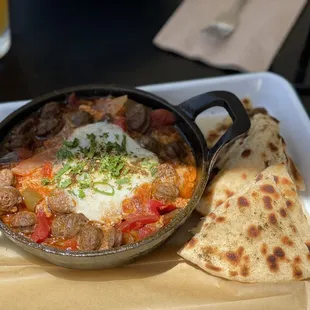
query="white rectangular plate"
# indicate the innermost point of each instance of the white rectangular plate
(264, 89)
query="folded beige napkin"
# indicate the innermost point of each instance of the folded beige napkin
(263, 26)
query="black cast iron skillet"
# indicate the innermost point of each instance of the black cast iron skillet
(205, 158)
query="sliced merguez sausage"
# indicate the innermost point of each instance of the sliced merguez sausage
(60, 202)
(80, 118)
(90, 238)
(173, 150)
(166, 173)
(25, 127)
(138, 117)
(165, 191)
(6, 177)
(24, 221)
(110, 238)
(150, 144)
(68, 225)
(22, 135)
(49, 127)
(10, 198)
(17, 141)
(50, 110)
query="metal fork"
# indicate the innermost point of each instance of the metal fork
(227, 22)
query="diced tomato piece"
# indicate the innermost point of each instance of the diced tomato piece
(158, 207)
(145, 232)
(154, 206)
(27, 166)
(166, 209)
(72, 100)
(42, 228)
(70, 244)
(162, 117)
(120, 121)
(47, 170)
(138, 221)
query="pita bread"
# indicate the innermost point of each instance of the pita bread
(242, 160)
(214, 134)
(258, 235)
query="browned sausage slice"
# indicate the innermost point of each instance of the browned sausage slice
(48, 127)
(61, 202)
(175, 150)
(110, 237)
(150, 144)
(50, 110)
(24, 221)
(90, 238)
(68, 225)
(138, 117)
(80, 118)
(6, 177)
(165, 191)
(10, 198)
(166, 173)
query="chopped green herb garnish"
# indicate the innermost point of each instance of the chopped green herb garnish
(84, 150)
(84, 180)
(71, 192)
(65, 183)
(72, 144)
(116, 136)
(105, 135)
(125, 171)
(92, 149)
(81, 193)
(100, 187)
(151, 165)
(64, 153)
(45, 181)
(78, 168)
(122, 181)
(153, 171)
(124, 142)
(62, 171)
(112, 164)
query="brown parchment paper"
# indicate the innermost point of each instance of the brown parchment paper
(161, 280)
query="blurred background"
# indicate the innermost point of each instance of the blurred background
(56, 44)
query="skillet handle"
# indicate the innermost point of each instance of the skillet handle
(241, 122)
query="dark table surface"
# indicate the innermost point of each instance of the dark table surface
(56, 44)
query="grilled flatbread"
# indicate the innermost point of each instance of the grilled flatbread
(242, 160)
(258, 235)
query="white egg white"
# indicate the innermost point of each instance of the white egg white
(102, 207)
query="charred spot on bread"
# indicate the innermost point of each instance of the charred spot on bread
(267, 188)
(283, 212)
(254, 231)
(272, 219)
(287, 241)
(243, 202)
(246, 153)
(267, 202)
(272, 263)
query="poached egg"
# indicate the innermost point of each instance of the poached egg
(110, 165)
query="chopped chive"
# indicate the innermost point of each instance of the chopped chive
(81, 193)
(153, 171)
(72, 144)
(62, 171)
(64, 153)
(65, 183)
(122, 181)
(101, 191)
